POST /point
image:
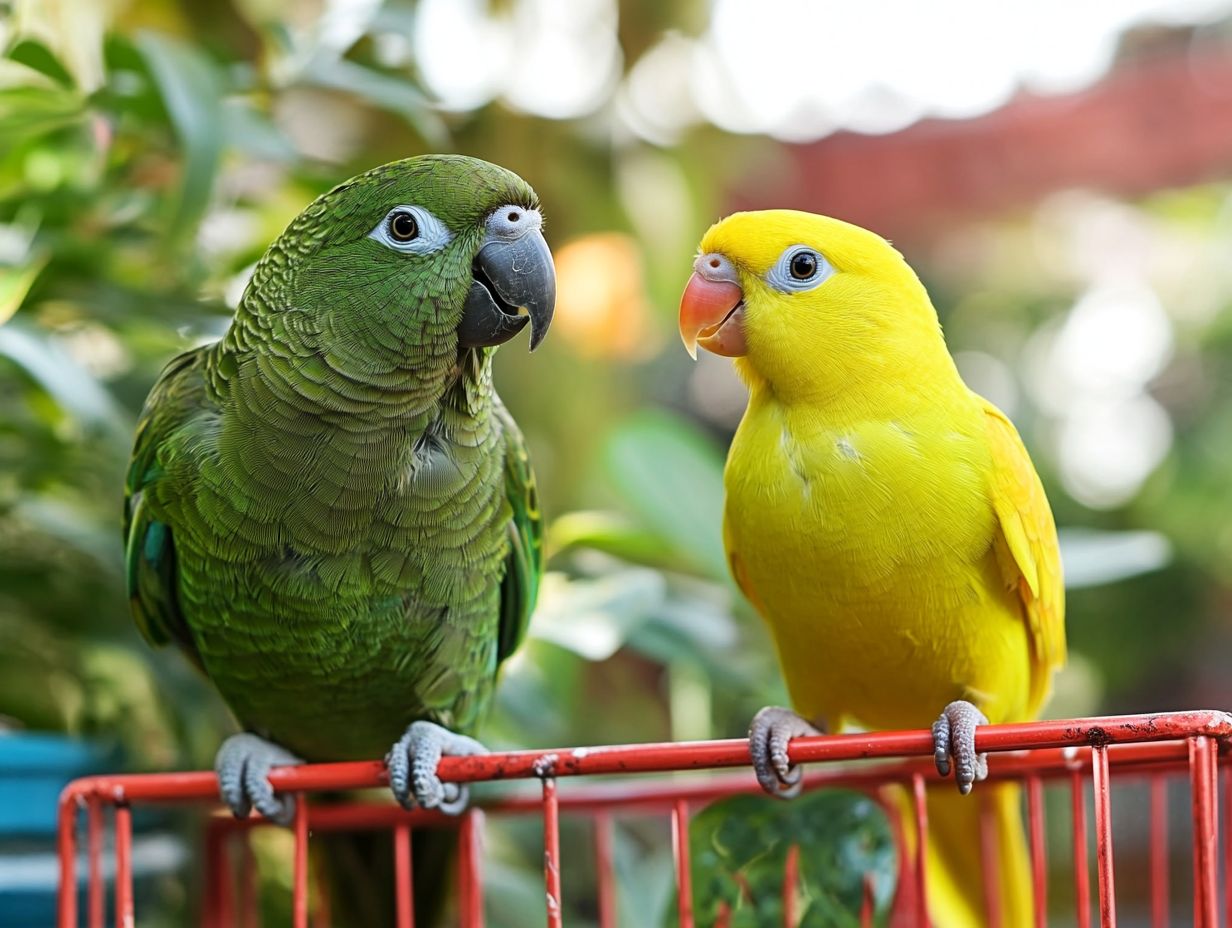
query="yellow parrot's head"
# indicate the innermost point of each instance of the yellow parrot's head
(793, 293)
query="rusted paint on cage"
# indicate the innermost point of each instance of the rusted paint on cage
(1073, 752)
(551, 852)
(1103, 835)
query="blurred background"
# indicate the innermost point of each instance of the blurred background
(1060, 174)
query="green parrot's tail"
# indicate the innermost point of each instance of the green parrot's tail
(954, 868)
(356, 870)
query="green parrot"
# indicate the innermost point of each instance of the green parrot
(329, 510)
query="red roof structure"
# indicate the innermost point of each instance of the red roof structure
(1153, 122)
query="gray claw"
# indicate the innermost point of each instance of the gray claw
(769, 734)
(954, 737)
(412, 766)
(243, 764)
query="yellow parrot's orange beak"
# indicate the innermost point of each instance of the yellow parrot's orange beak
(712, 308)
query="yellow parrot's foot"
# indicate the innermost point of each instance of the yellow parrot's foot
(954, 738)
(769, 734)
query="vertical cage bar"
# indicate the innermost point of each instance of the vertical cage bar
(250, 916)
(551, 852)
(791, 877)
(1039, 851)
(470, 876)
(920, 804)
(209, 876)
(1103, 836)
(322, 915)
(299, 888)
(1205, 832)
(94, 861)
(604, 870)
(1082, 871)
(405, 913)
(124, 865)
(868, 906)
(66, 834)
(990, 861)
(684, 875)
(1159, 852)
(1227, 845)
(224, 884)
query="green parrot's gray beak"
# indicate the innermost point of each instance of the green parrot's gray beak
(514, 280)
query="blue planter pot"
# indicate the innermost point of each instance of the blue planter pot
(34, 768)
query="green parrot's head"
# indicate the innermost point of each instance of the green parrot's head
(416, 258)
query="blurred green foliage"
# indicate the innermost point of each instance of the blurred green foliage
(150, 151)
(739, 848)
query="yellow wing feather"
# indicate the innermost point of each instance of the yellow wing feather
(1028, 551)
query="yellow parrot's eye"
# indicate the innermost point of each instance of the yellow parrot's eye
(803, 265)
(799, 268)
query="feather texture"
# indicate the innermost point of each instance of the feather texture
(1028, 551)
(884, 520)
(330, 510)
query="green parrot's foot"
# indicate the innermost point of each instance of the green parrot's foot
(769, 734)
(243, 764)
(954, 738)
(412, 767)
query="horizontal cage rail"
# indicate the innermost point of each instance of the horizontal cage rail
(1067, 753)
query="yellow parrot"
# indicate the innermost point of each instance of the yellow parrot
(884, 520)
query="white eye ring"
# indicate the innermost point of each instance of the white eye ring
(781, 277)
(432, 233)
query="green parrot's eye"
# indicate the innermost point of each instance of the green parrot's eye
(412, 230)
(403, 227)
(799, 268)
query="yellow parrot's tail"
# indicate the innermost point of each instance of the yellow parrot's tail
(954, 865)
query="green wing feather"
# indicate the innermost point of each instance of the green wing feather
(524, 565)
(149, 550)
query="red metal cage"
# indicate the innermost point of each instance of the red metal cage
(1067, 754)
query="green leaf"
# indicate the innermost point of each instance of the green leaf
(609, 532)
(31, 111)
(38, 57)
(192, 93)
(15, 283)
(671, 477)
(65, 523)
(251, 131)
(385, 91)
(64, 380)
(594, 617)
(73, 31)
